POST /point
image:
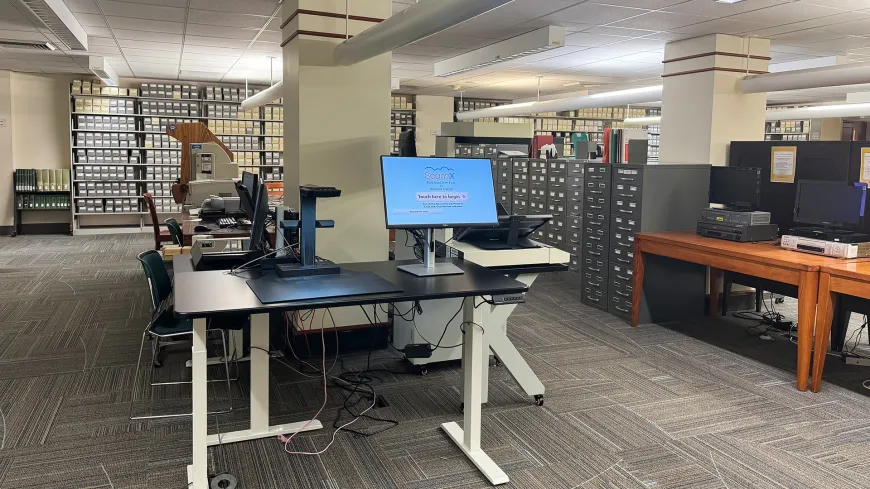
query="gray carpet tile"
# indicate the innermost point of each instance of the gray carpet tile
(625, 408)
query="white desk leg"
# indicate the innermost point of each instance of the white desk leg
(468, 438)
(235, 349)
(198, 471)
(260, 393)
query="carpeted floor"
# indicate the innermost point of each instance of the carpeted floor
(625, 408)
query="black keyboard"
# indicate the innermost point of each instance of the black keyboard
(226, 222)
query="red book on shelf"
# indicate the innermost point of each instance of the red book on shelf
(539, 142)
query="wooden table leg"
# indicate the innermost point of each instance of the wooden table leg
(715, 286)
(637, 283)
(824, 319)
(808, 290)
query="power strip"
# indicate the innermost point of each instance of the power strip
(861, 362)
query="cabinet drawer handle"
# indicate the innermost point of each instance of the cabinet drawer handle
(625, 212)
(627, 230)
(626, 311)
(593, 300)
(594, 253)
(620, 260)
(596, 270)
(624, 179)
(621, 293)
(595, 238)
(620, 277)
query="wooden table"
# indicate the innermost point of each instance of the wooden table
(764, 260)
(846, 277)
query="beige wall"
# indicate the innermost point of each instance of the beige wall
(36, 109)
(6, 164)
(431, 112)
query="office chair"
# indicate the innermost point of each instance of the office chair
(175, 231)
(160, 236)
(164, 325)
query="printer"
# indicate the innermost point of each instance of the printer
(218, 204)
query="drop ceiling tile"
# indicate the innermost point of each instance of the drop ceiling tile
(154, 27)
(660, 21)
(152, 53)
(645, 4)
(714, 10)
(142, 11)
(526, 9)
(718, 26)
(841, 45)
(838, 4)
(786, 14)
(270, 36)
(211, 50)
(16, 24)
(223, 32)
(204, 68)
(215, 42)
(592, 13)
(212, 18)
(82, 6)
(155, 45)
(583, 39)
(255, 7)
(101, 41)
(21, 35)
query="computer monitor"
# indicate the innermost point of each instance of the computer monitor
(736, 188)
(827, 203)
(258, 223)
(245, 201)
(249, 180)
(427, 193)
(408, 143)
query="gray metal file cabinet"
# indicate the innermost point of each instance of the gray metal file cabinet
(638, 198)
(595, 240)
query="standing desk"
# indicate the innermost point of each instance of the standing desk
(763, 260)
(203, 295)
(847, 278)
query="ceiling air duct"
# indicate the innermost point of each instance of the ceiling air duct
(53, 18)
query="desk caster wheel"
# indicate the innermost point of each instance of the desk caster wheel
(539, 400)
(423, 371)
(14, 234)
(497, 362)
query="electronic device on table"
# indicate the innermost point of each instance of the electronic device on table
(512, 233)
(429, 193)
(833, 209)
(216, 204)
(739, 190)
(226, 222)
(222, 253)
(827, 248)
(307, 226)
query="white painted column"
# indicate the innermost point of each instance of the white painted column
(702, 111)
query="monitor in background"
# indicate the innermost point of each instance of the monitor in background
(249, 180)
(245, 201)
(736, 188)
(258, 223)
(428, 193)
(408, 143)
(828, 204)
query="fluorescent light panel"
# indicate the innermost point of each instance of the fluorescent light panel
(534, 42)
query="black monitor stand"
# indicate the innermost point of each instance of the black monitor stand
(429, 268)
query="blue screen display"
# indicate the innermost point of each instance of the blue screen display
(438, 192)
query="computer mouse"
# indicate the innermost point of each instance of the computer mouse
(201, 229)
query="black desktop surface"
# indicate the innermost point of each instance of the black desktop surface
(213, 293)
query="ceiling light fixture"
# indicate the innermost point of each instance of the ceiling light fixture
(534, 42)
(572, 84)
(728, 1)
(644, 121)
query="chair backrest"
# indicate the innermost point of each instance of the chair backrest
(158, 278)
(175, 231)
(152, 210)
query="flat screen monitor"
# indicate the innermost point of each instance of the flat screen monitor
(423, 193)
(408, 143)
(827, 203)
(736, 188)
(258, 223)
(249, 180)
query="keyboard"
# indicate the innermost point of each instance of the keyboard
(226, 222)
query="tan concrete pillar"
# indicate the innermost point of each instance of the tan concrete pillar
(337, 123)
(702, 111)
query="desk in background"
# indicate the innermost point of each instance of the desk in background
(202, 295)
(756, 259)
(850, 278)
(189, 223)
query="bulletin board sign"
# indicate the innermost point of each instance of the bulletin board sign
(865, 165)
(783, 160)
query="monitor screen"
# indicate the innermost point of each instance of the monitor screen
(438, 192)
(735, 187)
(826, 203)
(261, 211)
(249, 180)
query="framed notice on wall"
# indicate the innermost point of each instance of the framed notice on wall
(865, 165)
(783, 160)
